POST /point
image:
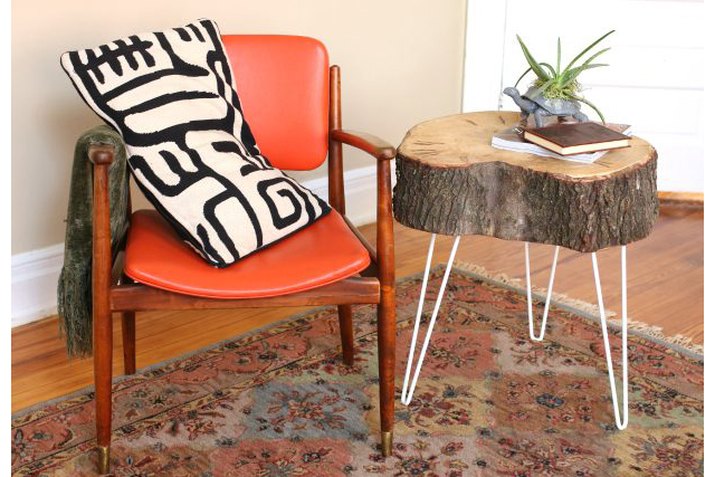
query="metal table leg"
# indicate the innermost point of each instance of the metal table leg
(621, 423)
(406, 397)
(548, 293)
(408, 387)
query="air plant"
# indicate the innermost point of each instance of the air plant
(555, 83)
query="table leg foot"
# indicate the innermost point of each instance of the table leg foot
(408, 387)
(621, 420)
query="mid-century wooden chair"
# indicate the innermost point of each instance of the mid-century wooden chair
(291, 98)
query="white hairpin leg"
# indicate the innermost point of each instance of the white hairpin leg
(548, 293)
(407, 384)
(620, 423)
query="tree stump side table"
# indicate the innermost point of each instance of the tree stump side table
(451, 181)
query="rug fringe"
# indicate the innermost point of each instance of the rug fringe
(646, 329)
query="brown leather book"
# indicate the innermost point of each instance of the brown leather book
(575, 138)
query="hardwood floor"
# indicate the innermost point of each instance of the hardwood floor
(665, 276)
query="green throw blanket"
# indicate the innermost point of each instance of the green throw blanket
(74, 289)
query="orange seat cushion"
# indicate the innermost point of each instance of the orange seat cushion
(322, 253)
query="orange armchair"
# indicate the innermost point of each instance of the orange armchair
(291, 97)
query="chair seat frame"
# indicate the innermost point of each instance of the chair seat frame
(111, 291)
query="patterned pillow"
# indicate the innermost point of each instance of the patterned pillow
(172, 96)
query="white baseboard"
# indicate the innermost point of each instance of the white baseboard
(34, 283)
(360, 193)
(35, 273)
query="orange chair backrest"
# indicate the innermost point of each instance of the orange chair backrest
(284, 89)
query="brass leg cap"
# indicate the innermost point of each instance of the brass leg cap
(103, 463)
(348, 360)
(386, 443)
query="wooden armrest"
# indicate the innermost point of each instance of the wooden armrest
(372, 145)
(101, 154)
(100, 144)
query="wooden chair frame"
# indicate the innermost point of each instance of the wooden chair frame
(111, 292)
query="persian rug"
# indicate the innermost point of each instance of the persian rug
(279, 402)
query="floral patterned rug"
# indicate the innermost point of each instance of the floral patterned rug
(279, 402)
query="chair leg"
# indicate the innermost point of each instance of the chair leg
(129, 342)
(345, 314)
(103, 385)
(386, 330)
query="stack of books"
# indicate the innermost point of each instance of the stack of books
(578, 142)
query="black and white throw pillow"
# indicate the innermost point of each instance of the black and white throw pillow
(172, 96)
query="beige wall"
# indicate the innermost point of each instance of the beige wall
(401, 62)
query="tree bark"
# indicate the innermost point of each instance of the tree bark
(450, 181)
